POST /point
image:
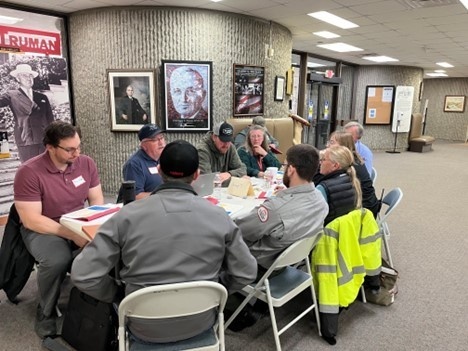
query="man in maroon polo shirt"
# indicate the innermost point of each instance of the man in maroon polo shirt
(47, 186)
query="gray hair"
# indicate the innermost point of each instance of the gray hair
(359, 126)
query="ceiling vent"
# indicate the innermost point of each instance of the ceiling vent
(417, 4)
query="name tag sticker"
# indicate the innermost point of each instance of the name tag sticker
(153, 170)
(78, 181)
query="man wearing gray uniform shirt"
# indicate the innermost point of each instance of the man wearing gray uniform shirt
(171, 236)
(293, 214)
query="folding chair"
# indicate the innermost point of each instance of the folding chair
(391, 200)
(176, 300)
(373, 175)
(281, 288)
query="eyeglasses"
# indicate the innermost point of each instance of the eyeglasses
(70, 150)
(331, 142)
(157, 139)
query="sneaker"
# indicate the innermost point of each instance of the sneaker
(45, 326)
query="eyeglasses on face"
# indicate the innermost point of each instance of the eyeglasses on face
(157, 139)
(331, 142)
(70, 150)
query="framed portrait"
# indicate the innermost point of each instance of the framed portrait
(132, 99)
(248, 90)
(279, 88)
(379, 104)
(187, 91)
(454, 103)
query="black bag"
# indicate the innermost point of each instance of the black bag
(89, 324)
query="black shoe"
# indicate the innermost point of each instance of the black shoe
(45, 326)
(243, 320)
(330, 339)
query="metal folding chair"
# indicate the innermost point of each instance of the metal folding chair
(391, 201)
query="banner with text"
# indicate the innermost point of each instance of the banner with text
(30, 41)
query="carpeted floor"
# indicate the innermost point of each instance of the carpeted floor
(429, 246)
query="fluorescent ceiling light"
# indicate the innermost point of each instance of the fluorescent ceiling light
(216, 0)
(379, 58)
(9, 20)
(444, 64)
(326, 34)
(332, 19)
(339, 47)
(464, 3)
(314, 64)
(439, 70)
(436, 74)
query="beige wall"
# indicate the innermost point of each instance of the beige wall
(139, 38)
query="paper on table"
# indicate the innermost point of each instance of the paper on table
(93, 212)
(230, 208)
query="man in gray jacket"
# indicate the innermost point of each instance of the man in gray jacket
(293, 214)
(171, 236)
(218, 154)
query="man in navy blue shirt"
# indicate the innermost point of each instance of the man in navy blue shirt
(142, 165)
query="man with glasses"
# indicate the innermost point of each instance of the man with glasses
(218, 154)
(142, 166)
(58, 181)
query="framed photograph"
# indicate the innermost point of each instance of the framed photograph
(187, 91)
(454, 103)
(279, 88)
(132, 99)
(248, 90)
(379, 104)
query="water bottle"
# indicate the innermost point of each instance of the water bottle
(128, 191)
(217, 186)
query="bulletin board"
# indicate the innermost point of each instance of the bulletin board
(379, 104)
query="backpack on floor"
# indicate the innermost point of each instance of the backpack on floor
(89, 324)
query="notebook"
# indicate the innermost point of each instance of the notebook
(204, 184)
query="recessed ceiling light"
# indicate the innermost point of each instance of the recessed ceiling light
(326, 34)
(379, 58)
(216, 0)
(9, 20)
(333, 19)
(444, 64)
(314, 64)
(436, 74)
(439, 70)
(339, 47)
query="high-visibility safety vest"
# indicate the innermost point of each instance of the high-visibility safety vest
(349, 248)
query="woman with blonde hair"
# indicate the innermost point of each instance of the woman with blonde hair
(338, 182)
(369, 199)
(256, 153)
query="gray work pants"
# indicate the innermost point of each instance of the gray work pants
(54, 256)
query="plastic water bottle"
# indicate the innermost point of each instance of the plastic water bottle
(217, 186)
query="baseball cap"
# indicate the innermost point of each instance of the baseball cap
(224, 131)
(149, 131)
(259, 121)
(179, 159)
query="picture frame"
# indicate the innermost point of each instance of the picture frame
(279, 88)
(132, 99)
(379, 104)
(454, 103)
(187, 95)
(248, 88)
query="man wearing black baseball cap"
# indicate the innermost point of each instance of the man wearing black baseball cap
(142, 166)
(171, 236)
(218, 154)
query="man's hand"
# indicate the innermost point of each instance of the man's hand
(145, 117)
(225, 176)
(79, 240)
(125, 117)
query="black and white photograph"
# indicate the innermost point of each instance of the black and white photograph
(33, 93)
(187, 95)
(248, 90)
(132, 99)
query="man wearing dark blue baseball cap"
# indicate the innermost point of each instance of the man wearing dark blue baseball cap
(171, 236)
(218, 153)
(142, 166)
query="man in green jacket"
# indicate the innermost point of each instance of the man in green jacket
(218, 154)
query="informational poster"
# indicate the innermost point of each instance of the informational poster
(402, 109)
(379, 104)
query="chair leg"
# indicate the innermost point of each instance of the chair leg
(239, 309)
(363, 294)
(272, 316)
